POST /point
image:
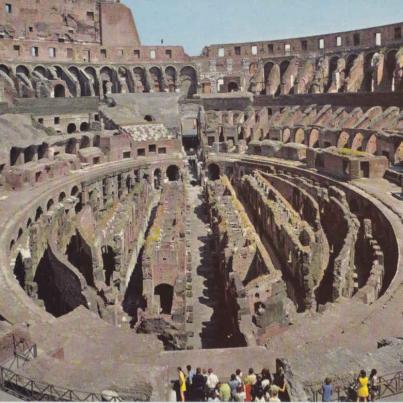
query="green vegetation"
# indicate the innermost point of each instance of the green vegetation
(351, 153)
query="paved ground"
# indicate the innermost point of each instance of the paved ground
(202, 275)
(5, 397)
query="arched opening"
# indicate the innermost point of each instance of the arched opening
(79, 255)
(300, 136)
(149, 118)
(233, 87)
(43, 151)
(71, 146)
(49, 204)
(286, 135)
(22, 70)
(173, 173)
(314, 138)
(29, 223)
(139, 80)
(62, 196)
(109, 263)
(343, 140)
(38, 213)
(29, 154)
(71, 128)
(213, 172)
(170, 74)
(157, 178)
(283, 70)
(399, 153)
(4, 69)
(85, 142)
(166, 293)
(267, 70)
(108, 83)
(371, 145)
(188, 80)
(60, 91)
(332, 68)
(389, 70)
(357, 142)
(14, 155)
(156, 79)
(19, 270)
(20, 233)
(368, 72)
(74, 191)
(84, 127)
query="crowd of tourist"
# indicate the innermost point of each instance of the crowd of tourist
(200, 385)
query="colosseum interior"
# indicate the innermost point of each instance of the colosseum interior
(149, 200)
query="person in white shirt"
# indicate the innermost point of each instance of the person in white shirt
(212, 379)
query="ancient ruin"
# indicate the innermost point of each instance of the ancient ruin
(152, 202)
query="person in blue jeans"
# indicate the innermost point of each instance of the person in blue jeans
(327, 390)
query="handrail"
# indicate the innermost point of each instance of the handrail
(389, 385)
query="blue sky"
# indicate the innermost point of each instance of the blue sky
(197, 23)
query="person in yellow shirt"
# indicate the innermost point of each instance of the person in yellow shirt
(362, 391)
(182, 384)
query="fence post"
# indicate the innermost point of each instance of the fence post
(2, 377)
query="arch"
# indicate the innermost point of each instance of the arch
(299, 136)
(389, 70)
(59, 91)
(314, 138)
(170, 73)
(399, 153)
(49, 204)
(29, 153)
(21, 69)
(368, 72)
(286, 135)
(5, 69)
(372, 144)
(71, 128)
(20, 232)
(188, 81)
(157, 178)
(332, 68)
(62, 196)
(267, 70)
(214, 172)
(85, 142)
(74, 191)
(38, 213)
(283, 69)
(19, 270)
(139, 78)
(166, 293)
(107, 80)
(173, 173)
(12, 243)
(233, 87)
(84, 127)
(357, 142)
(156, 79)
(71, 146)
(29, 222)
(343, 139)
(91, 72)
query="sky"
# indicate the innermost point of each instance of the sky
(198, 23)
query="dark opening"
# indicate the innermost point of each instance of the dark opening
(173, 173)
(79, 255)
(108, 258)
(19, 270)
(213, 172)
(60, 91)
(71, 128)
(84, 127)
(166, 293)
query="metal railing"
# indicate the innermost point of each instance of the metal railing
(389, 385)
(28, 389)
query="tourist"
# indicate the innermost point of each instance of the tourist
(280, 382)
(239, 376)
(189, 378)
(249, 381)
(199, 386)
(212, 396)
(374, 384)
(240, 394)
(233, 384)
(259, 396)
(212, 380)
(257, 387)
(251, 377)
(274, 396)
(266, 378)
(327, 390)
(224, 391)
(362, 391)
(182, 384)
